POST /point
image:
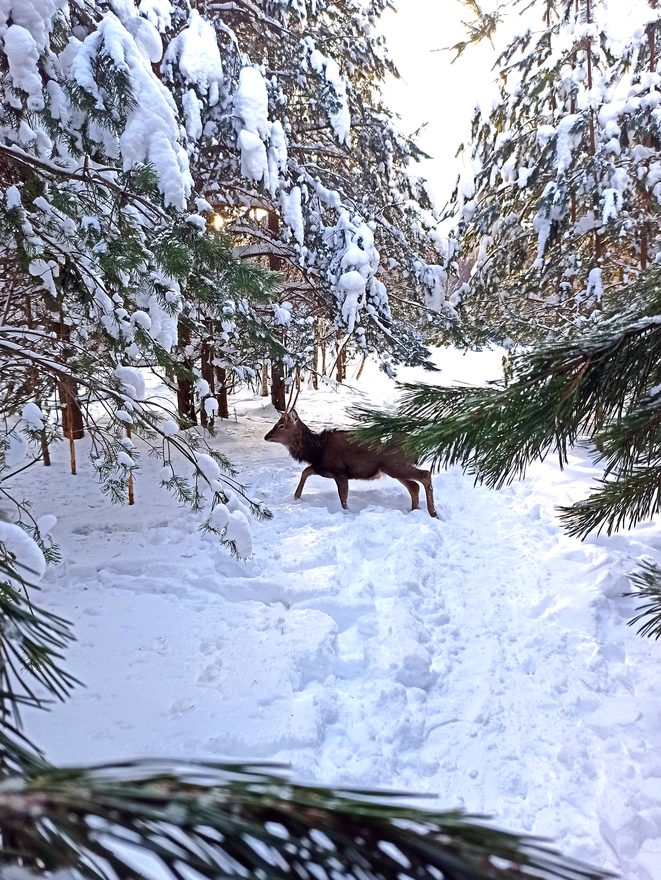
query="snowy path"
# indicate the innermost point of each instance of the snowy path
(483, 658)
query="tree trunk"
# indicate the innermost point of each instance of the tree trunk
(33, 378)
(277, 366)
(341, 361)
(72, 415)
(221, 397)
(278, 397)
(265, 380)
(315, 366)
(185, 391)
(208, 374)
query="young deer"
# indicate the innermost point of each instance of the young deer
(337, 455)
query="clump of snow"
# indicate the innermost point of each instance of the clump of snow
(337, 104)
(22, 56)
(238, 532)
(251, 110)
(163, 323)
(292, 212)
(35, 16)
(152, 133)
(32, 416)
(254, 164)
(207, 466)
(133, 382)
(24, 554)
(147, 38)
(282, 313)
(158, 12)
(13, 198)
(196, 54)
(351, 287)
(219, 517)
(595, 287)
(211, 407)
(277, 155)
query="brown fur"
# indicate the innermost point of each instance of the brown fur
(338, 456)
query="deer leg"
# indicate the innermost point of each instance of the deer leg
(424, 477)
(308, 472)
(413, 490)
(342, 490)
(429, 492)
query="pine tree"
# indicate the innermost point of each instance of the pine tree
(300, 156)
(563, 205)
(601, 385)
(105, 251)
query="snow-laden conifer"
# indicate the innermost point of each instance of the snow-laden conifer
(561, 200)
(105, 252)
(301, 157)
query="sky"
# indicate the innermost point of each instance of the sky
(433, 91)
(441, 94)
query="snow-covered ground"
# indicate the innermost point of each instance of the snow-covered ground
(483, 657)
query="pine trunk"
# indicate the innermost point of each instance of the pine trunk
(315, 366)
(277, 367)
(72, 414)
(221, 397)
(208, 374)
(278, 396)
(185, 390)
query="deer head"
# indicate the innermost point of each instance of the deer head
(287, 430)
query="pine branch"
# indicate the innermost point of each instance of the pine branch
(619, 503)
(602, 385)
(238, 821)
(31, 645)
(647, 583)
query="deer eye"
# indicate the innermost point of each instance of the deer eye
(282, 427)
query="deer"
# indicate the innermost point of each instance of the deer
(338, 455)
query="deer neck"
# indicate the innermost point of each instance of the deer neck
(306, 446)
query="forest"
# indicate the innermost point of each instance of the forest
(211, 216)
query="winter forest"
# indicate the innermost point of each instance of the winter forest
(230, 297)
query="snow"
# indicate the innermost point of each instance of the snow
(292, 213)
(483, 657)
(595, 286)
(33, 416)
(36, 17)
(13, 198)
(251, 110)
(152, 133)
(351, 288)
(23, 56)
(27, 559)
(328, 69)
(195, 51)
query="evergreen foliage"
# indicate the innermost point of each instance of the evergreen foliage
(292, 143)
(561, 202)
(105, 256)
(647, 586)
(602, 385)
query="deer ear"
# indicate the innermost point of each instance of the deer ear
(293, 415)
